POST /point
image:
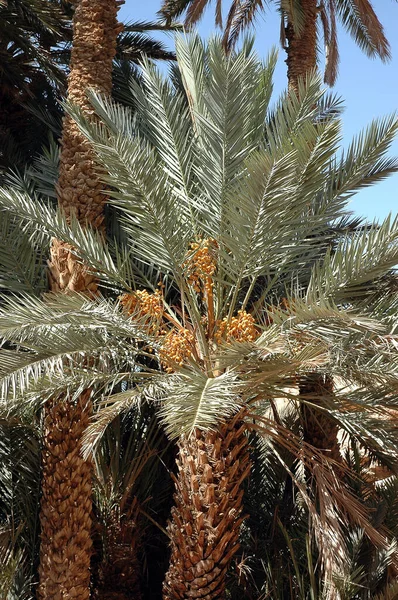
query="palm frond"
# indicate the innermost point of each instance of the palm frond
(241, 15)
(357, 262)
(365, 162)
(193, 400)
(58, 335)
(22, 259)
(360, 20)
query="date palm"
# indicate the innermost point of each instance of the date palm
(225, 204)
(65, 552)
(66, 504)
(301, 21)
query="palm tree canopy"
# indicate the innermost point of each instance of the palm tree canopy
(357, 17)
(232, 207)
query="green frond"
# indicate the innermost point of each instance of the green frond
(357, 262)
(122, 402)
(160, 227)
(59, 335)
(41, 217)
(134, 43)
(44, 170)
(294, 13)
(22, 258)
(365, 161)
(193, 400)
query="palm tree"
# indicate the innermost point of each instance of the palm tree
(299, 22)
(214, 346)
(129, 464)
(299, 28)
(21, 267)
(66, 504)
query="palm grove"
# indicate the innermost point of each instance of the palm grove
(198, 359)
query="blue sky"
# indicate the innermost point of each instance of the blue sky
(368, 87)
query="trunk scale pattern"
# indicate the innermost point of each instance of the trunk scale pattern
(65, 516)
(66, 505)
(206, 519)
(301, 49)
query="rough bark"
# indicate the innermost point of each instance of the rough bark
(65, 516)
(302, 48)
(206, 519)
(319, 429)
(95, 29)
(66, 506)
(80, 191)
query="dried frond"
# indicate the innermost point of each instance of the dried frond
(361, 21)
(331, 44)
(241, 15)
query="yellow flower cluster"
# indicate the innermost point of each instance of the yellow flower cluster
(145, 305)
(176, 348)
(241, 328)
(202, 264)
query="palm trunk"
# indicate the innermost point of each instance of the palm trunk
(206, 519)
(65, 516)
(80, 191)
(66, 505)
(319, 429)
(301, 48)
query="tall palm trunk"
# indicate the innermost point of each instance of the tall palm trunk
(319, 429)
(65, 516)
(206, 518)
(302, 48)
(66, 505)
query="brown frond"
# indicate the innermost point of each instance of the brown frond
(241, 15)
(172, 9)
(195, 12)
(319, 429)
(219, 13)
(374, 29)
(331, 504)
